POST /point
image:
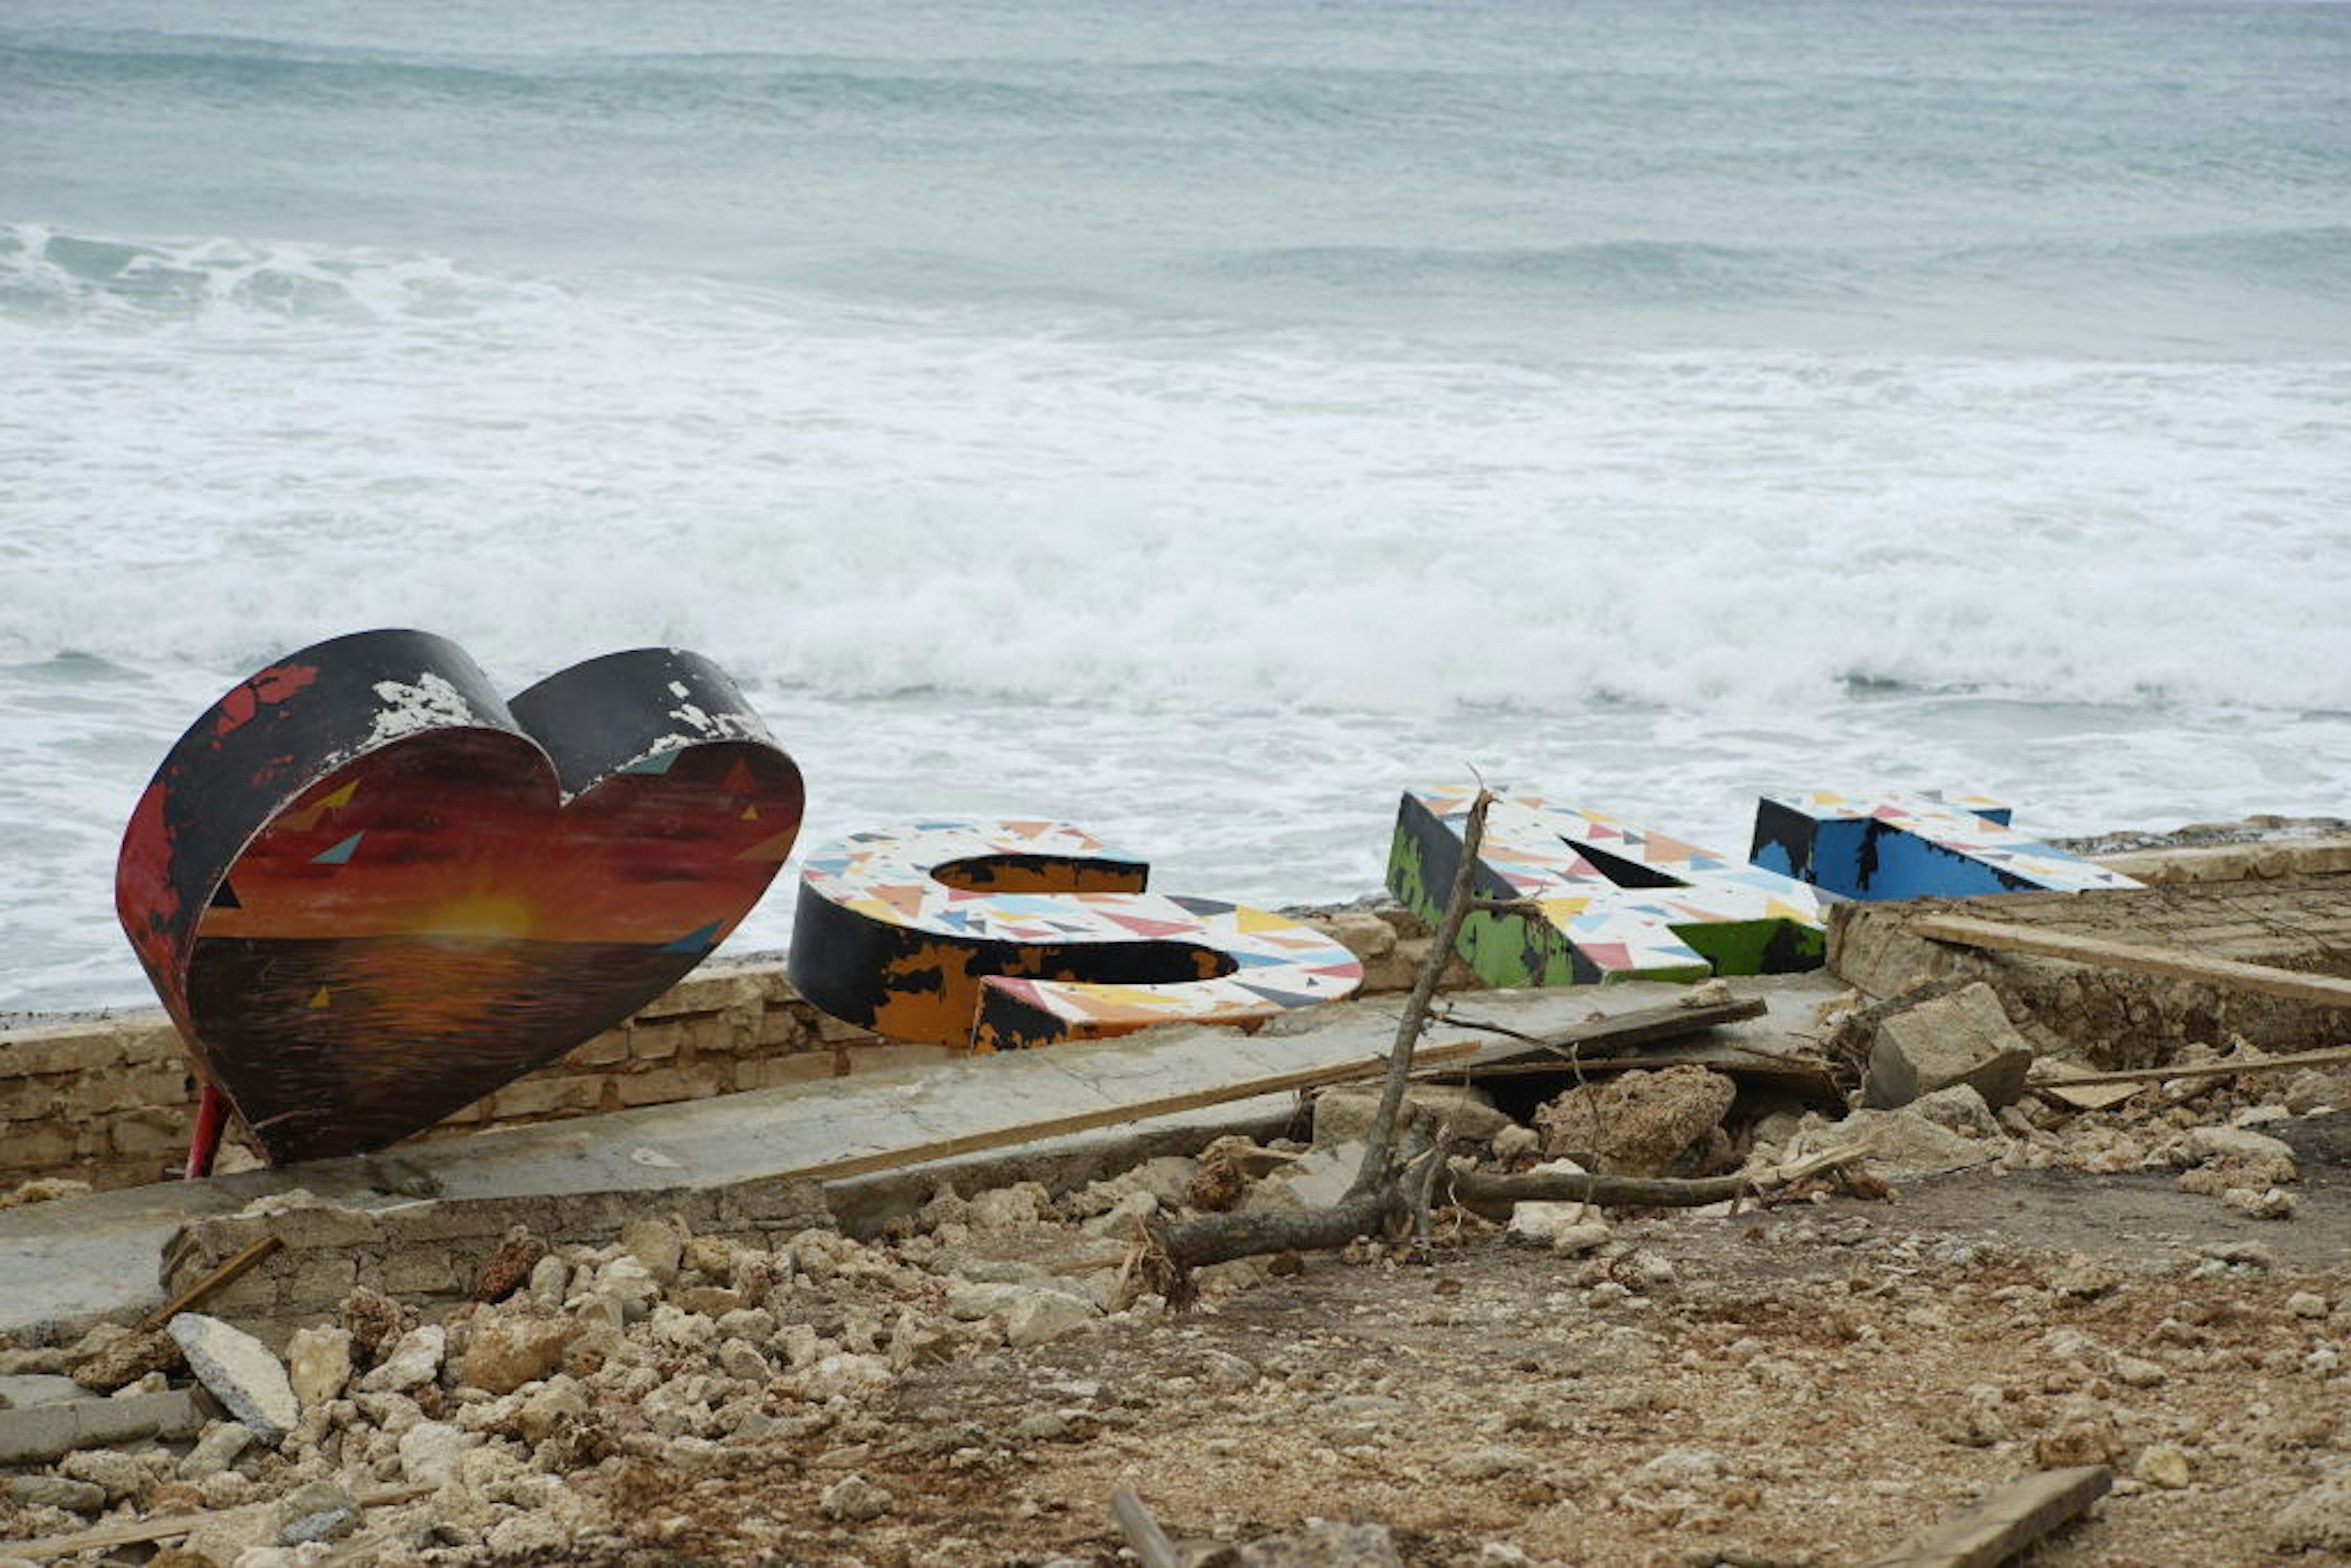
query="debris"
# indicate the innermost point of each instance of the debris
(2002, 937)
(43, 1432)
(1961, 1036)
(241, 1372)
(1637, 1124)
(129, 1359)
(2011, 1518)
(227, 1272)
(1151, 1545)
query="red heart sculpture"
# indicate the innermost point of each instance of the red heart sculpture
(370, 892)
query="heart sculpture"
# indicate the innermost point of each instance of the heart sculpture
(370, 890)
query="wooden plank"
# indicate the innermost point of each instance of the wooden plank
(1644, 1026)
(1151, 1545)
(231, 1267)
(1120, 1114)
(142, 1532)
(2334, 1056)
(2011, 1518)
(2004, 936)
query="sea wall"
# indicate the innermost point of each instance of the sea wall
(108, 1101)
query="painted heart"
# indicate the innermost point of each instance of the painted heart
(370, 890)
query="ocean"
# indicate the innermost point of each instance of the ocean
(1196, 422)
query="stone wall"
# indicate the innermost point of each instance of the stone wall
(109, 1101)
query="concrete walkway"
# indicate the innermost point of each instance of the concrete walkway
(66, 1263)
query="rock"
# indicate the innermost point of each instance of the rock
(318, 1511)
(24, 1390)
(2238, 1143)
(1568, 1227)
(1466, 1111)
(429, 1452)
(631, 1285)
(55, 1491)
(741, 1359)
(853, 1499)
(1038, 1317)
(2082, 1434)
(1961, 1036)
(1322, 1543)
(375, 1322)
(2310, 1090)
(1901, 1143)
(528, 1537)
(841, 1374)
(1637, 1124)
(1681, 1467)
(2163, 1465)
(508, 1268)
(555, 1403)
(2261, 1203)
(241, 1372)
(129, 1358)
(2317, 1521)
(121, 1475)
(1960, 1107)
(550, 1278)
(319, 1364)
(1009, 1208)
(2306, 1304)
(659, 1245)
(511, 1347)
(413, 1361)
(1490, 1464)
(217, 1451)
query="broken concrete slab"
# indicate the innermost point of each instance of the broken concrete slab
(22, 1390)
(46, 1432)
(1961, 1036)
(879, 1143)
(241, 1372)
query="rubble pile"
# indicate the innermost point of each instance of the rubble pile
(513, 1426)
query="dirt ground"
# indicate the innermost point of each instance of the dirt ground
(1813, 1384)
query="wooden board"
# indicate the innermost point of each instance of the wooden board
(2004, 936)
(2009, 1519)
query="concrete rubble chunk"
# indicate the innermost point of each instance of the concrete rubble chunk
(412, 1361)
(1322, 1543)
(221, 1445)
(241, 1372)
(509, 1349)
(318, 1511)
(55, 1491)
(319, 1364)
(2237, 1143)
(430, 1451)
(1962, 1036)
(44, 1432)
(24, 1390)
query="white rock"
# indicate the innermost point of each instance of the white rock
(217, 1451)
(2236, 1144)
(319, 1364)
(414, 1361)
(429, 1452)
(241, 1372)
(1040, 1316)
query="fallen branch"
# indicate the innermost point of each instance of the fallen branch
(1380, 1200)
(1494, 1195)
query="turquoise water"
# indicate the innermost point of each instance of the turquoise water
(1198, 422)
